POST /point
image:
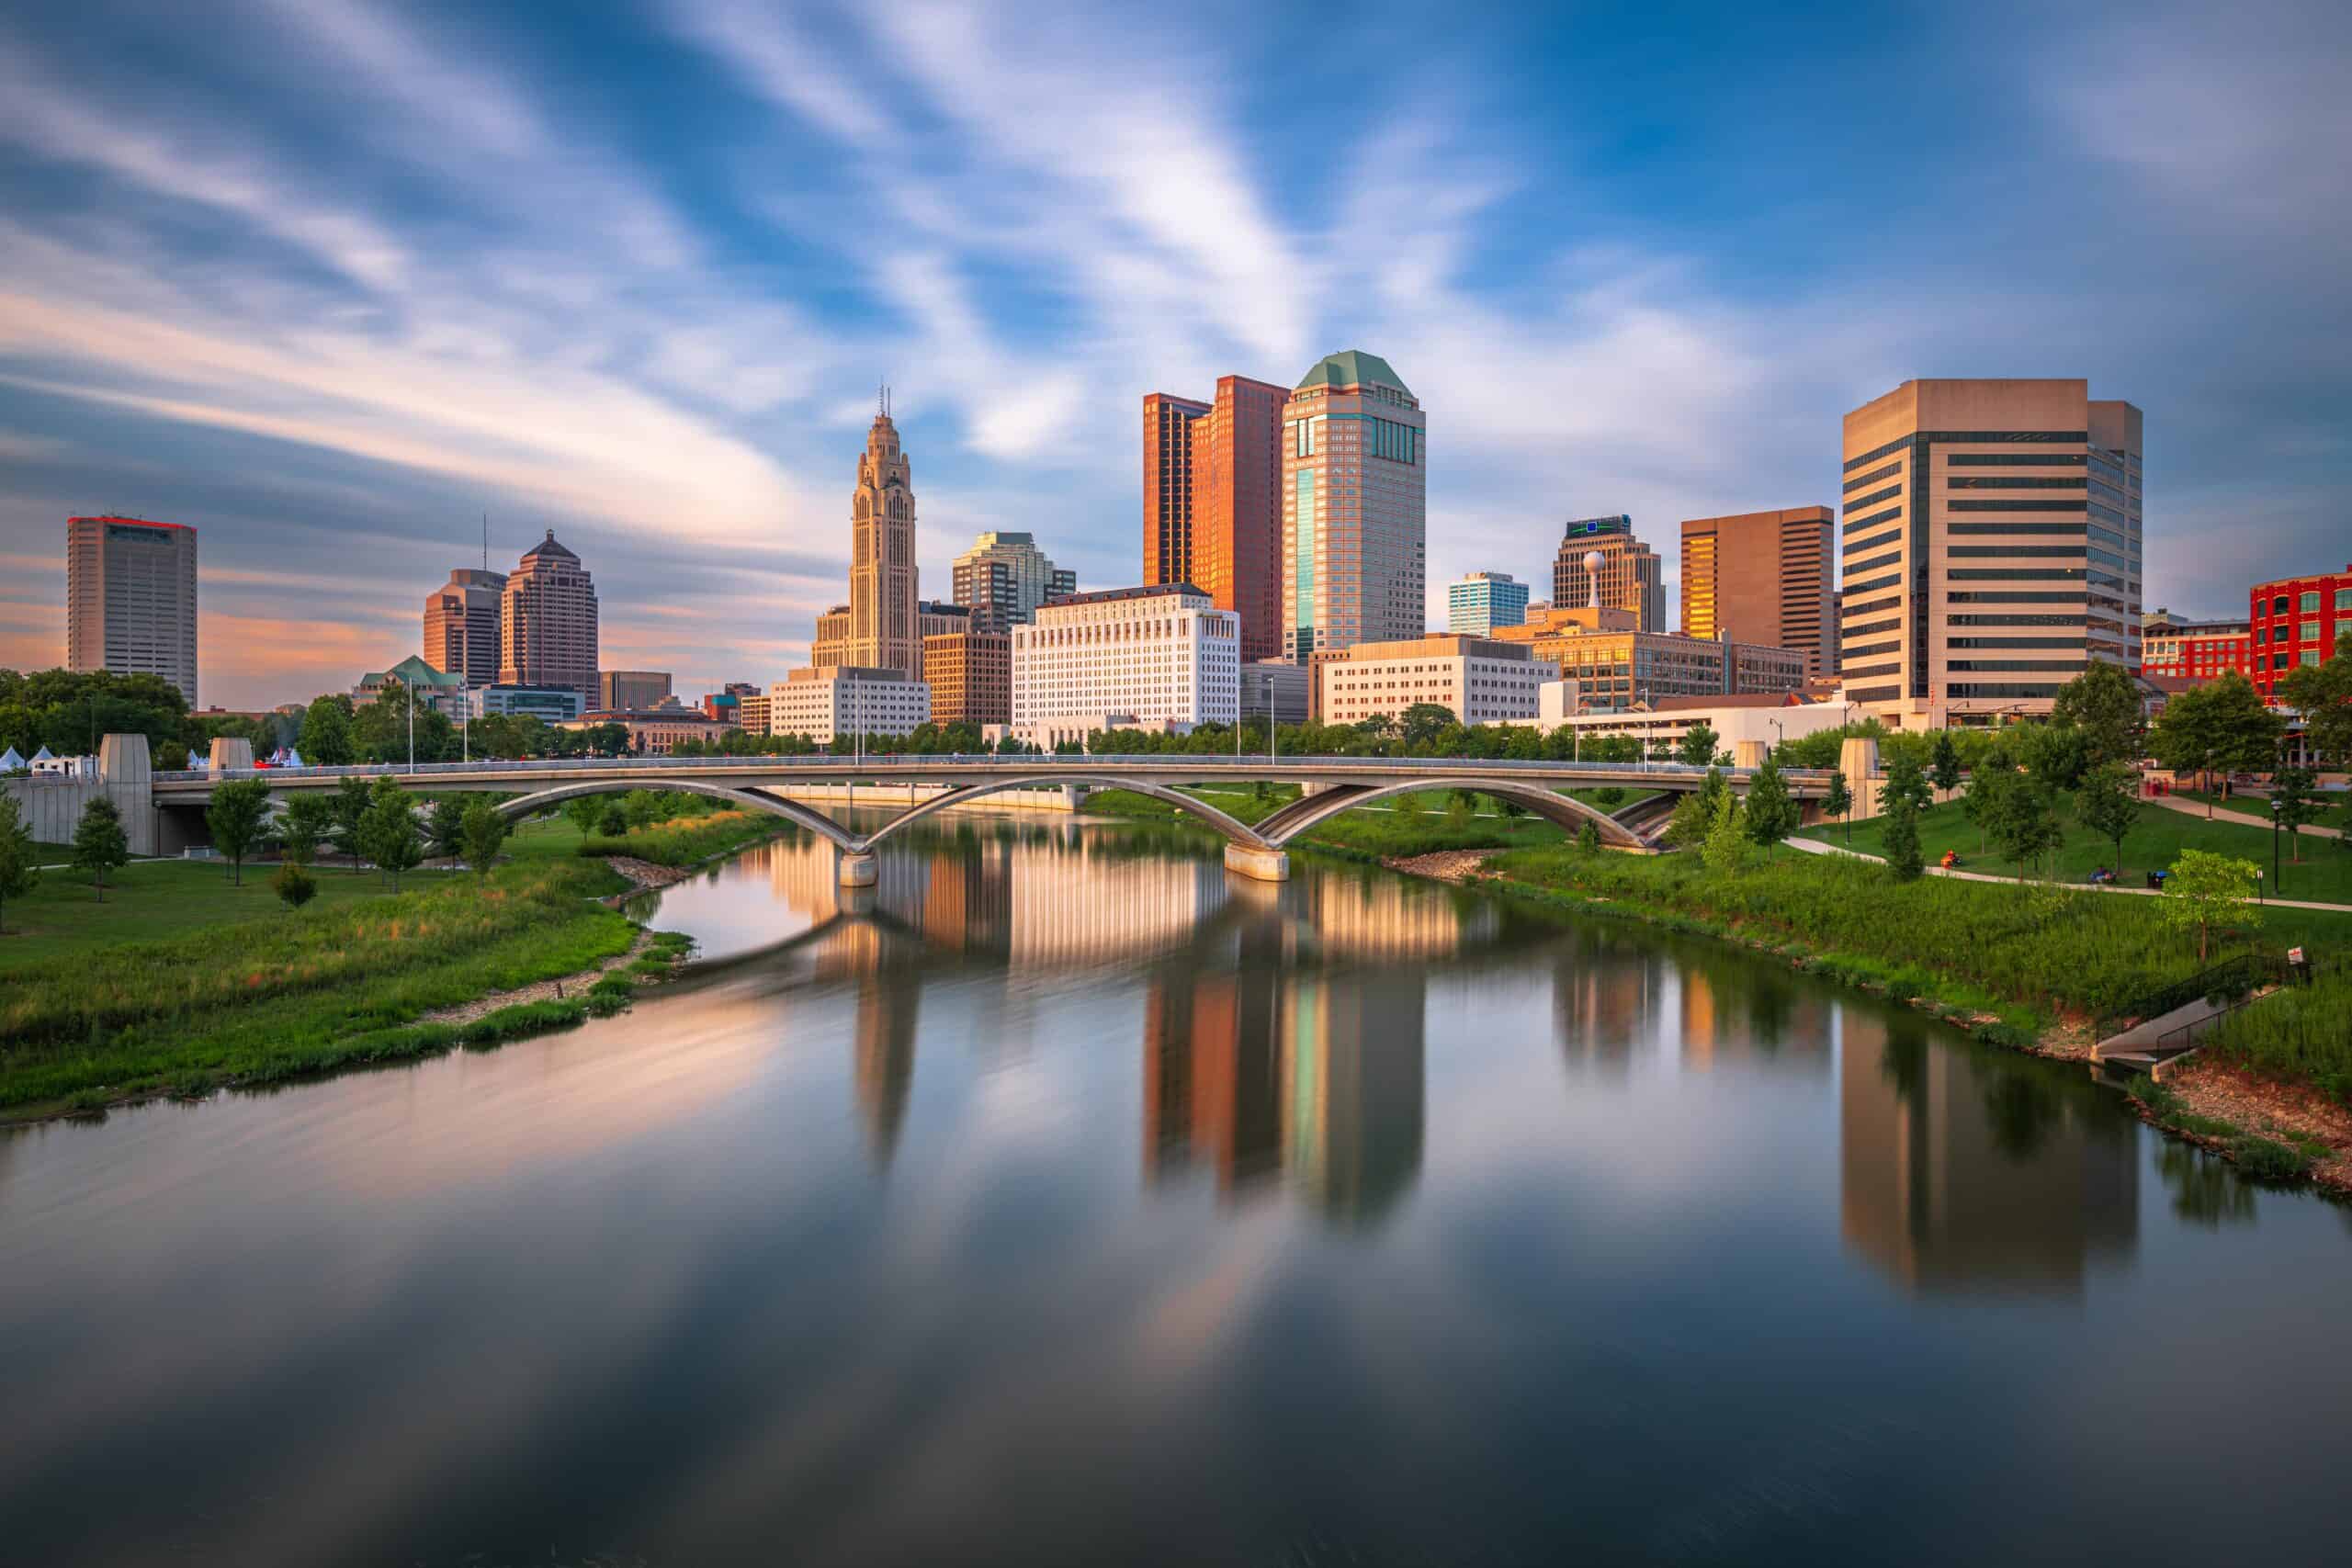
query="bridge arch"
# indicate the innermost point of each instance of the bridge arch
(1232, 828)
(815, 822)
(1311, 811)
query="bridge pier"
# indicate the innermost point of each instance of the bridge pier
(854, 868)
(1074, 796)
(1263, 865)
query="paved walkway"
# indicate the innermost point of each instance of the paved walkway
(1816, 847)
(2222, 814)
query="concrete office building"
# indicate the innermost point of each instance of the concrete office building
(553, 704)
(1157, 656)
(1355, 508)
(1004, 577)
(1276, 687)
(461, 625)
(2173, 648)
(1758, 719)
(632, 690)
(1616, 666)
(882, 597)
(1212, 509)
(970, 676)
(1483, 601)
(657, 732)
(547, 634)
(847, 699)
(754, 713)
(1478, 680)
(1763, 577)
(131, 599)
(1627, 574)
(1991, 547)
(2296, 620)
(831, 645)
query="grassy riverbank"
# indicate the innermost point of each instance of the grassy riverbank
(157, 898)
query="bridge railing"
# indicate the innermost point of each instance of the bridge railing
(1247, 763)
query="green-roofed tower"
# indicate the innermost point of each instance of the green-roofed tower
(1355, 508)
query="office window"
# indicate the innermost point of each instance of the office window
(2311, 603)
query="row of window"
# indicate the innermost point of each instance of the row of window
(1964, 481)
(1874, 584)
(1859, 502)
(2015, 459)
(1973, 438)
(2050, 505)
(1856, 524)
(1859, 480)
(2308, 602)
(2002, 574)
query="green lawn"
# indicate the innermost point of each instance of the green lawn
(2325, 873)
(149, 899)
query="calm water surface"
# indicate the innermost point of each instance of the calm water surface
(1069, 1202)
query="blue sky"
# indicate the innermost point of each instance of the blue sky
(331, 279)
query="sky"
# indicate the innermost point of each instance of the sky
(334, 280)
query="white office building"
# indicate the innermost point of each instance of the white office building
(1164, 657)
(1478, 680)
(846, 699)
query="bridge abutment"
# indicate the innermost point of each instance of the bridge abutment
(854, 868)
(1262, 865)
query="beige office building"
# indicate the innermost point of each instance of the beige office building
(547, 622)
(1616, 666)
(1478, 680)
(1763, 577)
(882, 630)
(1354, 508)
(1159, 657)
(1991, 550)
(1599, 562)
(846, 700)
(970, 676)
(131, 599)
(462, 618)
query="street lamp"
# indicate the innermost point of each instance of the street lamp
(2275, 818)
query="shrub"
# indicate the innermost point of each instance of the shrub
(293, 886)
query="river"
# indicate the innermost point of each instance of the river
(1071, 1201)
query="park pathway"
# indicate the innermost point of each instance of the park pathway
(1816, 847)
(2222, 814)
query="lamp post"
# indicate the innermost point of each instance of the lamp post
(2275, 819)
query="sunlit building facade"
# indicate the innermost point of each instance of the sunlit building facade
(1355, 507)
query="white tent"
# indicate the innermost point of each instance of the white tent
(43, 756)
(294, 758)
(10, 761)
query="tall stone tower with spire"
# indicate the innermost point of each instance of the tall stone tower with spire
(883, 633)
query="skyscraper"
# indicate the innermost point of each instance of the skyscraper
(882, 631)
(1354, 499)
(1991, 550)
(1482, 601)
(131, 599)
(1004, 577)
(1167, 487)
(461, 621)
(1762, 577)
(548, 631)
(1630, 575)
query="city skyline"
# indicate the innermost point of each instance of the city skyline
(286, 339)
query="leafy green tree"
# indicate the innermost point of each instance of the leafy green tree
(485, 831)
(389, 834)
(293, 886)
(1408, 806)
(1726, 850)
(351, 804)
(1770, 813)
(614, 822)
(306, 823)
(1459, 806)
(1944, 763)
(2055, 755)
(644, 807)
(69, 711)
(99, 844)
(1697, 746)
(2221, 724)
(2023, 823)
(2323, 694)
(2293, 803)
(324, 738)
(1902, 797)
(19, 862)
(238, 818)
(444, 827)
(1424, 722)
(2108, 804)
(1588, 838)
(1609, 798)
(2103, 704)
(584, 811)
(2204, 890)
(1839, 801)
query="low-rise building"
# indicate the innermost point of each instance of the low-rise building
(655, 732)
(443, 691)
(2175, 646)
(752, 713)
(555, 705)
(970, 676)
(1165, 655)
(1762, 718)
(632, 690)
(1616, 666)
(846, 699)
(1478, 680)
(1276, 687)
(1482, 601)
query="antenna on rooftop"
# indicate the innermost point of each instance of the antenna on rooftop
(485, 540)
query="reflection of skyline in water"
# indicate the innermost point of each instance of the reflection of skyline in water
(1961, 1171)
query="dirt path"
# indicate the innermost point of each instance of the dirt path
(1443, 865)
(643, 875)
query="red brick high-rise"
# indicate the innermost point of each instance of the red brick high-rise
(1213, 502)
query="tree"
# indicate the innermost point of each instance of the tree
(1945, 767)
(2322, 692)
(485, 829)
(324, 738)
(1697, 746)
(2102, 702)
(2203, 889)
(584, 811)
(642, 807)
(1839, 801)
(1901, 799)
(1588, 839)
(237, 819)
(2293, 804)
(2109, 801)
(1770, 814)
(389, 834)
(99, 844)
(306, 823)
(293, 886)
(19, 863)
(2221, 724)
(1726, 849)
(2055, 755)
(2023, 823)
(444, 828)
(351, 803)
(614, 822)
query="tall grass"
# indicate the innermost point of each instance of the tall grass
(2304, 1033)
(683, 841)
